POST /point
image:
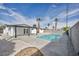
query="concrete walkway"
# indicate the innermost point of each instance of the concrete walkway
(24, 42)
(58, 48)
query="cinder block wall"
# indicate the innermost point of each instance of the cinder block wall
(74, 34)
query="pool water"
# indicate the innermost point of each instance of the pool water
(51, 37)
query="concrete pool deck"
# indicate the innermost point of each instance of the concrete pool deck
(46, 47)
(27, 41)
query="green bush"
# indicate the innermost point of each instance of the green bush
(2, 27)
(65, 28)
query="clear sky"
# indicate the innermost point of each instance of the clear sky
(14, 13)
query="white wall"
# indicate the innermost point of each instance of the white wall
(34, 31)
(41, 31)
(8, 32)
(12, 32)
(20, 31)
(5, 31)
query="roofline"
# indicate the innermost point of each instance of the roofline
(19, 25)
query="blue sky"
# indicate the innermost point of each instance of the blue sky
(26, 13)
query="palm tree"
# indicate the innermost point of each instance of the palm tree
(48, 25)
(56, 22)
(38, 24)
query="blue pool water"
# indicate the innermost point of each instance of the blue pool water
(51, 37)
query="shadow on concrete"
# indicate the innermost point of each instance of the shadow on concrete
(30, 51)
(6, 47)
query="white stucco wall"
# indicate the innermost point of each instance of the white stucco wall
(12, 32)
(20, 31)
(41, 31)
(34, 31)
(8, 32)
(5, 31)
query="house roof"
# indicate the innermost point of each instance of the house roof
(19, 25)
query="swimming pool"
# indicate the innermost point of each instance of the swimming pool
(50, 37)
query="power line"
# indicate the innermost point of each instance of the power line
(67, 9)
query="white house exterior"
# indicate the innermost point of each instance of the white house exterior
(34, 31)
(20, 29)
(9, 31)
(14, 30)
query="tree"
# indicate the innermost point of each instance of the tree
(48, 24)
(38, 24)
(65, 28)
(56, 22)
(2, 27)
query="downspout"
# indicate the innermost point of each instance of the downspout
(15, 32)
